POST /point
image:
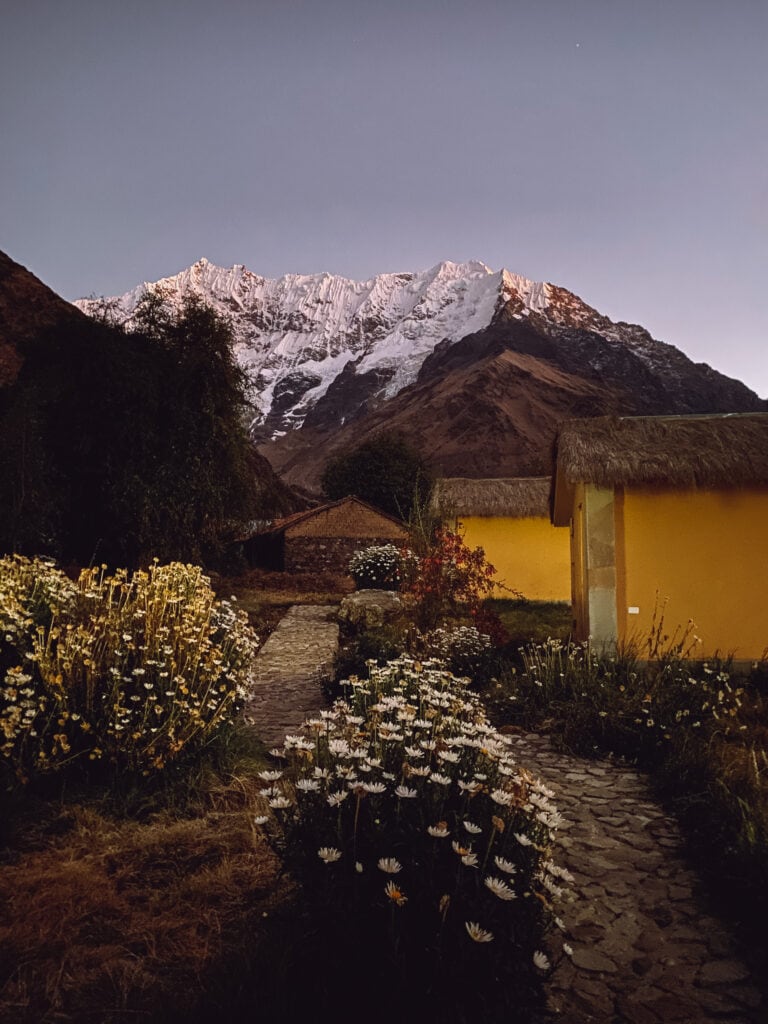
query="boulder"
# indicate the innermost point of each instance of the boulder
(366, 609)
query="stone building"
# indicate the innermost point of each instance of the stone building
(323, 539)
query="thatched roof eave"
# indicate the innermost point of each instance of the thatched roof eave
(513, 497)
(680, 452)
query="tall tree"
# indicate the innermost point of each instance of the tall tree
(385, 471)
(119, 444)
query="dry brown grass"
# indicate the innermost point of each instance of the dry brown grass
(121, 920)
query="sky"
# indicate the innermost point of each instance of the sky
(617, 148)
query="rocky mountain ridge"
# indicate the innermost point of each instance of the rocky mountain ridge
(475, 367)
(301, 336)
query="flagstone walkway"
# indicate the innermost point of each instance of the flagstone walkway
(644, 949)
(289, 670)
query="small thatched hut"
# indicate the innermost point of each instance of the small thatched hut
(323, 539)
(669, 515)
(509, 518)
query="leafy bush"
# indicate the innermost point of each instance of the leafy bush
(378, 566)
(417, 839)
(449, 580)
(128, 671)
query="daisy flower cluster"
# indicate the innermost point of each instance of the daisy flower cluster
(377, 566)
(128, 669)
(623, 700)
(460, 647)
(403, 805)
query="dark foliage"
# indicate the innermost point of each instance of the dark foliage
(119, 445)
(385, 471)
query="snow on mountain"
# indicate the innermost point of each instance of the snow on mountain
(318, 346)
(295, 334)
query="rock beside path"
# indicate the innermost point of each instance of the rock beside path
(368, 609)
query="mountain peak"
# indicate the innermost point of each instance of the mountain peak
(321, 346)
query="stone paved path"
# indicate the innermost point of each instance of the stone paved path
(289, 669)
(644, 950)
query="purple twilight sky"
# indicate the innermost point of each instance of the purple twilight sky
(615, 147)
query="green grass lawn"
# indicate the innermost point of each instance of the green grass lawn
(533, 620)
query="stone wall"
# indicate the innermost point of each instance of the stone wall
(326, 554)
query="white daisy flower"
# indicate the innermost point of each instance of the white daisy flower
(505, 865)
(469, 860)
(308, 785)
(405, 793)
(395, 893)
(468, 787)
(476, 933)
(261, 819)
(329, 854)
(270, 776)
(441, 780)
(499, 888)
(280, 802)
(439, 831)
(389, 865)
(472, 828)
(334, 799)
(540, 961)
(523, 839)
(374, 787)
(502, 797)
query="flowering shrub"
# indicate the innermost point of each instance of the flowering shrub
(125, 670)
(449, 579)
(461, 648)
(32, 591)
(378, 566)
(403, 813)
(627, 705)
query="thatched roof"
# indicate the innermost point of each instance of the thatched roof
(518, 497)
(682, 452)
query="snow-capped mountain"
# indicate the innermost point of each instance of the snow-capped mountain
(475, 367)
(297, 335)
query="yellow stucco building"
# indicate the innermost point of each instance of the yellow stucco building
(668, 517)
(509, 518)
